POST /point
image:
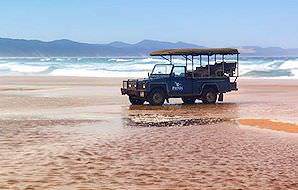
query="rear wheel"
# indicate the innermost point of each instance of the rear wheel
(188, 100)
(136, 101)
(156, 97)
(209, 96)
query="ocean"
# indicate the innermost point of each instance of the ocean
(250, 67)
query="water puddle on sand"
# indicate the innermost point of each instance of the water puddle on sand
(157, 120)
(270, 124)
(179, 115)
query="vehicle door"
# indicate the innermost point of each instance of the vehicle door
(180, 85)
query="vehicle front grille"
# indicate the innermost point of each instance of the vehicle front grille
(132, 85)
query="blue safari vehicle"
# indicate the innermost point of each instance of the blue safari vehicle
(216, 73)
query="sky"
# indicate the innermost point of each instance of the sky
(208, 22)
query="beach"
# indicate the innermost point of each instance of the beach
(80, 133)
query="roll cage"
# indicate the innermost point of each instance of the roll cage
(224, 68)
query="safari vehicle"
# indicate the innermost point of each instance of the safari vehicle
(206, 82)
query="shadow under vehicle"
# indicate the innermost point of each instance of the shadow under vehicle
(206, 82)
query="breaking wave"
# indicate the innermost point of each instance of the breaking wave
(22, 68)
(250, 67)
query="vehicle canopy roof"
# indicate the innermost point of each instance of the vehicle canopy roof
(196, 51)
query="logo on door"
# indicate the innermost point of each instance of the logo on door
(177, 87)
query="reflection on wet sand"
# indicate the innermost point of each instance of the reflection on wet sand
(179, 115)
(198, 110)
(99, 144)
(142, 120)
(268, 124)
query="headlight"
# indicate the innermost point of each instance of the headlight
(125, 84)
(132, 84)
(144, 85)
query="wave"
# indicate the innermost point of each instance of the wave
(96, 73)
(135, 67)
(276, 68)
(45, 59)
(121, 60)
(59, 59)
(152, 60)
(19, 68)
(270, 73)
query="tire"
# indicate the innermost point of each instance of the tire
(188, 100)
(209, 96)
(136, 101)
(156, 97)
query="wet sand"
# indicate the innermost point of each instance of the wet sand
(269, 124)
(80, 133)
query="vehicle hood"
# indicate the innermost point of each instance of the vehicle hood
(139, 80)
(145, 80)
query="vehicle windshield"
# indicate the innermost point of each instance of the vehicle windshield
(162, 69)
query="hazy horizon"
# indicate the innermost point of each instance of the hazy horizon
(234, 23)
(108, 42)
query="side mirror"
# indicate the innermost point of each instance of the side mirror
(148, 74)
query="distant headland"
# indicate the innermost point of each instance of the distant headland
(67, 48)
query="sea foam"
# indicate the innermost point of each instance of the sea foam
(251, 67)
(22, 68)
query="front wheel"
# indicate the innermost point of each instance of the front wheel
(188, 100)
(156, 97)
(136, 101)
(209, 96)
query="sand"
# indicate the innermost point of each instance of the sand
(269, 124)
(80, 133)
